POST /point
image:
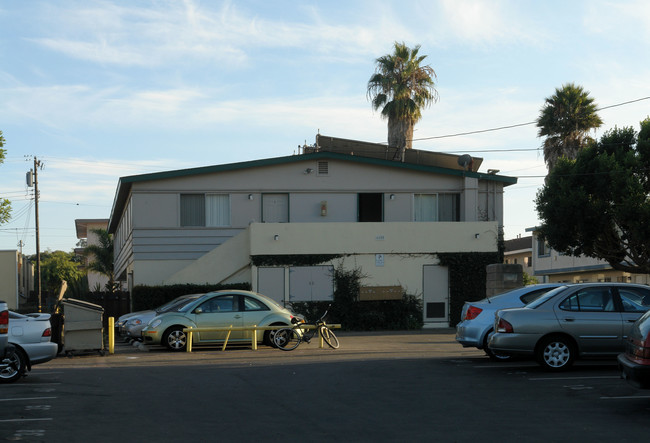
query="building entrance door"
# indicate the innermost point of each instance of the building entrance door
(435, 288)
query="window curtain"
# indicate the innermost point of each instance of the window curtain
(426, 207)
(217, 210)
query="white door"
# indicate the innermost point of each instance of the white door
(435, 288)
(275, 208)
(270, 282)
(311, 283)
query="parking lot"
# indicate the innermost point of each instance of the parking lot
(376, 387)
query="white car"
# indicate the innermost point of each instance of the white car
(31, 337)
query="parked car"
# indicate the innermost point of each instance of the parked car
(635, 362)
(132, 326)
(217, 309)
(30, 335)
(8, 372)
(581, 320)
(478, 316)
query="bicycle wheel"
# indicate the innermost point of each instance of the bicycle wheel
(286, 339)
(329, 337)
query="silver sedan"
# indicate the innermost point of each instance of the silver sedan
(582, 320)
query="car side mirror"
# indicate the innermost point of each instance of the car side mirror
(198, 310)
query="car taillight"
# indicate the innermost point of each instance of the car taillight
(4, 322)
(47, 333)
(472, 312)
(504, 326)
(639, 350)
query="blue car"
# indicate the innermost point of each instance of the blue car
(477, 318)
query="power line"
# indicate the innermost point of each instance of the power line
(480, 131)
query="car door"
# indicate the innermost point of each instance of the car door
(590, 315)
(255, 312)
(221, 311)
(635, 301)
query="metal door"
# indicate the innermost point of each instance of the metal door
(219, 312)
(591, 317)
(275, 208)
(270, 282)
(435, 289)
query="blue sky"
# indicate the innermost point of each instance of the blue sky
(97, 90)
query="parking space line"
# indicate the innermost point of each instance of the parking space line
(25, 419)
(26, 398)
(626, 397)
(575, 378)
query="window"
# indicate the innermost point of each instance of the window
(529, 261)
(250, 304)
(590, 299)
(436, 207)
(635, 299)
(543, 249)
(370, 207)
(211, 210)
(225, 303)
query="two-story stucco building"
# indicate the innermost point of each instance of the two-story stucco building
(342, 199)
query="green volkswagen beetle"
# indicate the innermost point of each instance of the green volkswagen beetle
(220, 309)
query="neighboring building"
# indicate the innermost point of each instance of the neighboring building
(17, 277)
(86, 236)
(519, 251)
(551, 266)
(344, 200)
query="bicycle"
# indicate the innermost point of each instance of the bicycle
(289, 338)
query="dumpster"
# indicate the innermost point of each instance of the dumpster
(83, 330)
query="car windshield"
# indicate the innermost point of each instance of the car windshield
(177, 304)
(544, 298)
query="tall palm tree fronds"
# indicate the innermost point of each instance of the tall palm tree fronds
(402, 87)
(565, 120)
(102, 253)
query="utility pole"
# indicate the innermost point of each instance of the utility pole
(32, 180)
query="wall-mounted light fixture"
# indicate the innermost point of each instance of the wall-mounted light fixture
(308, 171)
(477, 235)
(323, 208)
(250, 196)
(392, 197)
(276, 237)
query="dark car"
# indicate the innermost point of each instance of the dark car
(635, 362)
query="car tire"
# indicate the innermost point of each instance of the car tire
(555, 353)
(14, 372)
(268, 336)
(494, 356)
(175, 339)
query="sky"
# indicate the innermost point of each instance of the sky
(98, 90)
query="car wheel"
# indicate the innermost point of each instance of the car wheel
(175, 339)
(17, 364)
(555, 353)
(494, 355)
(269, 336)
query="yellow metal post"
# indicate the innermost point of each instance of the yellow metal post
(111, 335)
(227, 337)
(254, 344)
(188, 345)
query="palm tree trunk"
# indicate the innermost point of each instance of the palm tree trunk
(400, 135)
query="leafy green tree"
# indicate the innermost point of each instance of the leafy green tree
(102, 257)
(598, 204)
(58, 266)
(401, 86)
(565, 120)
(5, 205)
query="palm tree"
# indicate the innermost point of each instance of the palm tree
(401, 86)
(102, 261)
(565, 120)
